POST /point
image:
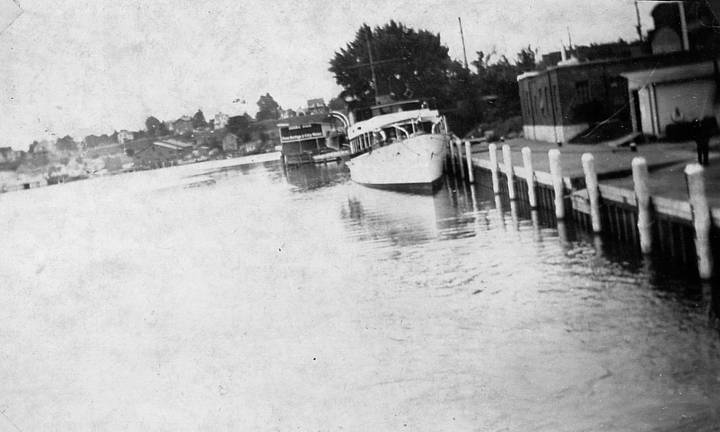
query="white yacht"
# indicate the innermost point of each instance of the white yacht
(400, 145)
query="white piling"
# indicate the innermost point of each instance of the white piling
(557, 180)
(694, 173)
(492, 151)
(530, 176)
(642, 194)
(509, 170)
(468, 154)
(458, 143)
(591, 184)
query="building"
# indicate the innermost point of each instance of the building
(221, 120)
(41, 147)
(249, 147)
(230, 143)
(162, 153)
(302, 136)
(562, 101)
(674, 94)
(287, 113)
(8, 155)
(123, 136)
(630, 92)
(316, 106)
(183, 126)
(98, 140)
(595, 52)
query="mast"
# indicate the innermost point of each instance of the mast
(372, 68)
(462, 37)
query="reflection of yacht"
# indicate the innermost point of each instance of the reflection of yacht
(401, 145)
(400, 218)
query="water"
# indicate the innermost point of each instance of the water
(239, 298)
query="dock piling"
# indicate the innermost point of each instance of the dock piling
(452, 156)
(530, 176)
(695, 175)
(591, 184)
(509, 171)
(557, 180)
(492, 151)
(458, 143)
(642, 194)
(468, 154)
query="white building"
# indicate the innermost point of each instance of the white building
(665, 94)
(221, 120)
(124, 136)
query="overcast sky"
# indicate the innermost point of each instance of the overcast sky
(93, 66)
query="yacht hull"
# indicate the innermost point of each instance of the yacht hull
(414, 164)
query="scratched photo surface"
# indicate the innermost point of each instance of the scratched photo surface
(222, 215)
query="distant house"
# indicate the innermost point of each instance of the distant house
(249, 147)
(221, 120)
(230, 143)
(183, 125)
(98, 140)
(124, 136)
(40, 147)
(316, 106)
(8, 155)
(288, 113)
(207, 137)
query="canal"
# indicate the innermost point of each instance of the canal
(210, 297)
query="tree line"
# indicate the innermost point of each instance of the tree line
(414, 64)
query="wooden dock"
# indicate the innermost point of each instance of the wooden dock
(668, 222)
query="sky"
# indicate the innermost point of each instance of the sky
(94, 66)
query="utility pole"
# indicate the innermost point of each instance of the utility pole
(683, 26)
(462, 37)
(638, 27)
(372, 67)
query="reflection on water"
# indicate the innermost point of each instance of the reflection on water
(271, 299)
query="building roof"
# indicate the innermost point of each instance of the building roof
(173, 144)
(306, 119)
(661, 60)
(177, 142)
(385, 120)
(640, 78)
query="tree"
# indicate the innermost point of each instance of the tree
(526, 59)
(268, 108)
(198, 120)
(66, 144)
(497, 86)
(153, 126)
(407, 63)
(238, 124)
(337, 104)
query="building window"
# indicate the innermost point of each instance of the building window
(582, 91)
